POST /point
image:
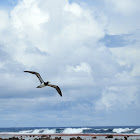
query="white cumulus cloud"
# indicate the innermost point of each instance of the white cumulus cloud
(63, 42)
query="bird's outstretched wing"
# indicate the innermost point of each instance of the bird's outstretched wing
(57, 88)
(37, 74)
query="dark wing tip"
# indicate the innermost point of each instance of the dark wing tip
(27, 71)
(57, 88)
(31, 72)
(59, 91)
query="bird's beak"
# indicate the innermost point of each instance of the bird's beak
(48, 81)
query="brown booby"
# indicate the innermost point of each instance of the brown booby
(44, 84)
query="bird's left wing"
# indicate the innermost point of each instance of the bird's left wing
(57, 88)
(37, 74)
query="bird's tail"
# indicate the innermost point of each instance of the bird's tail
(38, 87)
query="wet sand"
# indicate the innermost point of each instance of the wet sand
(70, 136)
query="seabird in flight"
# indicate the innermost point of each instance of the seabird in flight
(44, 84)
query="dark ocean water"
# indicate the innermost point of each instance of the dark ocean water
(73, 130)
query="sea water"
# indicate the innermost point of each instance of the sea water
(72, 130)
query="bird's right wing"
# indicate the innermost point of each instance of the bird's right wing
(37, 74)
(57, 88)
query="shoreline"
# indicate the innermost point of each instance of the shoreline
(69, 136)
(76, 134)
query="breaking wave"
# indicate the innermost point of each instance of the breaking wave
(137, 131)
(72, 130)
(121, 130)
(37, 131)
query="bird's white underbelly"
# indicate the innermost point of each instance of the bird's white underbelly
(41, 85)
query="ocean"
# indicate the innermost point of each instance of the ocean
(72, 130)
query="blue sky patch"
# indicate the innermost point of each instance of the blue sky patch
(112, 41)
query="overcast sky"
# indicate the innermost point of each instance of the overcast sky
(91, 49)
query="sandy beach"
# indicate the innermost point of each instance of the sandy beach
(69, 137)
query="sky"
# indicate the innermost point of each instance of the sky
(90, 49)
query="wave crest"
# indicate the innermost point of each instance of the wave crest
(137, 131)
(37, 131)
(121, 130)
(74, 130)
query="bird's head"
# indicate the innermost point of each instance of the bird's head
(46, 83)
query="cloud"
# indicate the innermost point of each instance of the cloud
(66, 43)
(27, 15)
(130, 56)
(115, 97)
(126, 12)
(117, 16)
(4, 22)
(126, 7)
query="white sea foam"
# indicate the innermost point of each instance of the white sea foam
(101, 129)
(25, 131)
(121, 130)
(137, 131)
(8, 133)
(20, 132)
(74, 130)
(49, 131)
(37, 131)
(105, 129)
